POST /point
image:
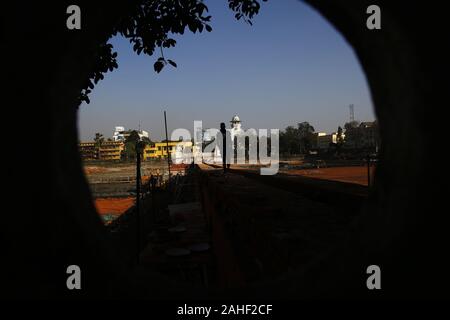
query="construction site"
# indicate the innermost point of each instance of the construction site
(113, 185)
(206, 228)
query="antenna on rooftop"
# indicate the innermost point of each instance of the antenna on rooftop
(352, 112)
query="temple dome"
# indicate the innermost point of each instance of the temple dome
(235, 119)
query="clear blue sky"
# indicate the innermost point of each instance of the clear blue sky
(290, 66)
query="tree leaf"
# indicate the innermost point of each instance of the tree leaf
(158, 66)
(172, 63)
(193, 27)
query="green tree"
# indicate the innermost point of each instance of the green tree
(98, 139)
(306, 136)
(289, 141)
(353, 134)
(129, 152)
(146, 141)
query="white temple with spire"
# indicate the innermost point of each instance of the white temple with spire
(235, 131)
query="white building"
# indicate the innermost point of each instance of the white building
(120, 134)
(324, 140)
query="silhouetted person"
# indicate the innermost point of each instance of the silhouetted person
(224, 145)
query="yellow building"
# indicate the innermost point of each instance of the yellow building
(158, 150)
(88, 150)
(110, 150)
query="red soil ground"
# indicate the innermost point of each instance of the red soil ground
(356, 175)
(178, 167)
(113, 205)
(91, 170)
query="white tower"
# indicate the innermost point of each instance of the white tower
(236, 123)
(235, 127)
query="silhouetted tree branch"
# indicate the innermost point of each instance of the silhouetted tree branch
(150, 25)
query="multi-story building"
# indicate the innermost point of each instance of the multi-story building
(118, 134)
(88, 150)
(159, 150)
(150, 152)
(107, 150)
(110, 150)
(324, 140)
(365, 135)
(369, 135)
(321, 141)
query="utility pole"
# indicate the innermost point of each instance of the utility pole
(167, 144)
(138, 200)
